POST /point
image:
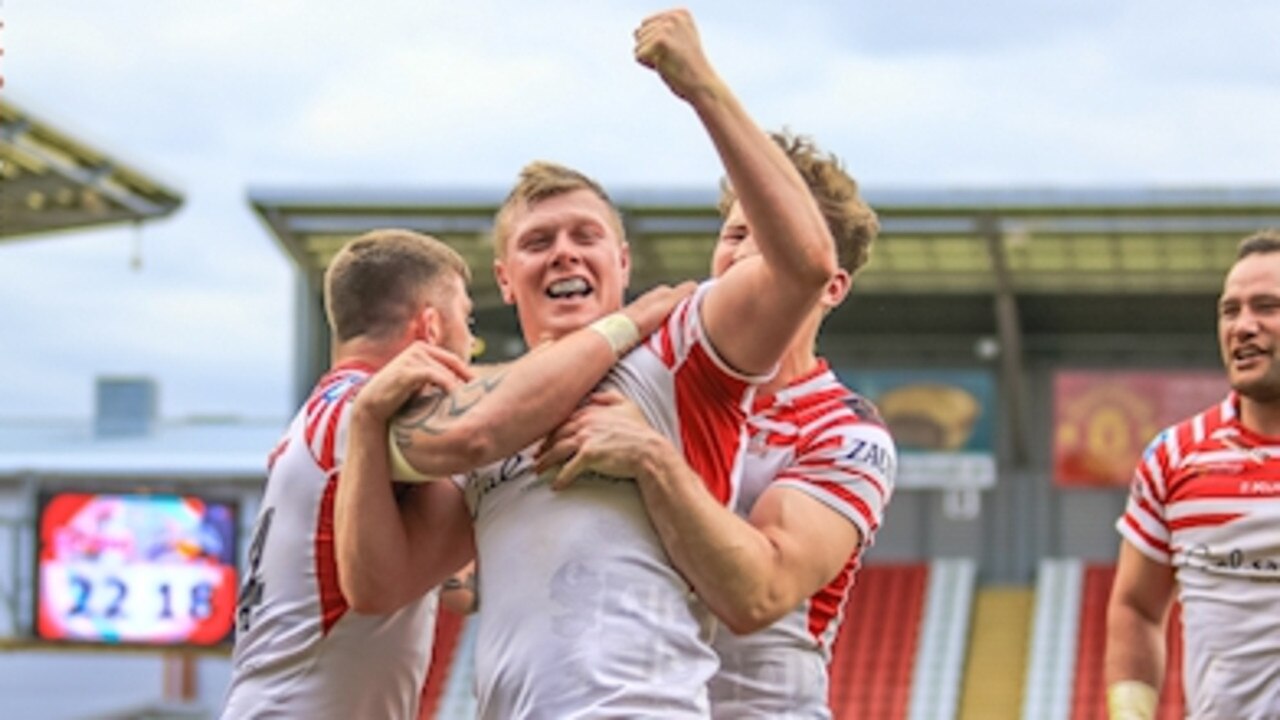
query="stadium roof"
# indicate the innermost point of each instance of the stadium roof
(51, 181)
(949, 264)
(177, 451)
(1120, 240)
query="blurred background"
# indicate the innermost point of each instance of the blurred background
(1061, 189)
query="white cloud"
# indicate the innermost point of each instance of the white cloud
(215, 97)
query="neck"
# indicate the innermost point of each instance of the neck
(1260, 417)
(370, 352)
(801, 356)
(799, 360)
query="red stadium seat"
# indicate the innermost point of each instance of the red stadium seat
(1089, 699)
(874, 655)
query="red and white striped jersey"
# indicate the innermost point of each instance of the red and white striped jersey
(817, 437)
(299, 650)
(581, 613)
(1205, 498)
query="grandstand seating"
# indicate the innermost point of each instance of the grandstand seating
(1066, 679)
(874, 654)
(995, 667)
(1089, 696)
(900, 651)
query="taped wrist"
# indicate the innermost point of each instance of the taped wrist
(619, 331)
(1131, 700)
(401, 470)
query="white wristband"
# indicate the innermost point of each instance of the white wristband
(619, 330)
(1131, 700)
(401, 470)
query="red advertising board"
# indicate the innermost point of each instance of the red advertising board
(1103, 420)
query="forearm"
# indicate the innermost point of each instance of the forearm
(498, 416)
(1135, 647)
(370, 536)
(732, 566)
(786, 222)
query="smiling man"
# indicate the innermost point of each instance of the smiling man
(1202, 520)
(581, 613)
(553, 209)
(777, 564)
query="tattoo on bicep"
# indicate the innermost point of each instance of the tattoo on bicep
(432, 412)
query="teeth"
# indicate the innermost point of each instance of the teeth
(572, 286)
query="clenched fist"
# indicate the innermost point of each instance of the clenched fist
(668, 43)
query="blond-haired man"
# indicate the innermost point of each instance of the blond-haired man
(776, 565)
(392, 297)
(581, 614)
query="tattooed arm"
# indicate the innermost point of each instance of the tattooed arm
(390, 552)
(451, 431)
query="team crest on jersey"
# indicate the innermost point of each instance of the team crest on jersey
(863, 408)
(1155, 444)
(1219, 468)
(334, 392)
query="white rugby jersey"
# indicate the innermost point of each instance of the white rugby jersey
(1206, 499)
(300, 652)
(581, 613)
(820, 438)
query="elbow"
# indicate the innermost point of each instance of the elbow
(815, 266)
(821, 264)
(366, 597)
(471, 446)
(746, 623)
(359, 600)
(366, 605)
(465, 446)
(371, 603)
(752, 616)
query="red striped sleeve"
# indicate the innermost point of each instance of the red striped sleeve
(709, 405)
(850, 499)
(1206, 520)
(1153, 542)
(332, 603)
(825, 606)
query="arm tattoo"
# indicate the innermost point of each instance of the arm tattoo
(432, 412)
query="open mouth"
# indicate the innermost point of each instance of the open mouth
(569, 289)
(1247, 355)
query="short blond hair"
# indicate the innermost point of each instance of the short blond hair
(376, 282)
(538, 181)
(852, 222)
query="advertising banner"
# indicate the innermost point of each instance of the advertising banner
(942, 420)
(1103, 419)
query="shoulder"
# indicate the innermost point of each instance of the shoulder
(1177, 441)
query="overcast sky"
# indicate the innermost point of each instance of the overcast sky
(213, 97)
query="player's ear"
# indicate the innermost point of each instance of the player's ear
(624, 258)
(429, 328)
(504, 283)
(837, 288)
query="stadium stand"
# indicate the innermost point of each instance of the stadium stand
(874, 655)
(900, 651)
(944, 635)
(995, 670)
(51, 181)
(1065, 680)
(1089, 699)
